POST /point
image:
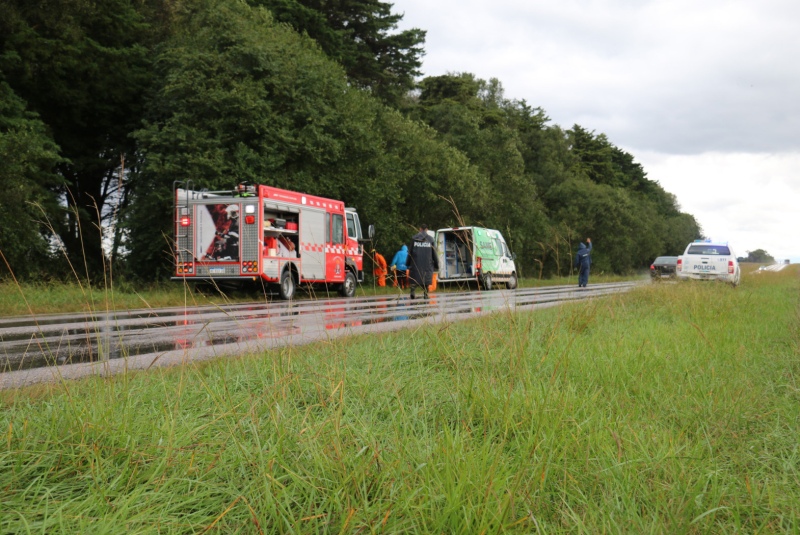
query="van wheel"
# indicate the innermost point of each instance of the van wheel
(287, 287)
(487, 282)
(512, 282)
(348, 287)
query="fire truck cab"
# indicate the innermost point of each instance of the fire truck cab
(253, 232)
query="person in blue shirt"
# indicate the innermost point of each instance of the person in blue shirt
(582, 262)
(399, 266)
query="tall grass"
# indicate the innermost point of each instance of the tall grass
(674, 408)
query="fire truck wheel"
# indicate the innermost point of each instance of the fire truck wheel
(348, 288)
(287, 287)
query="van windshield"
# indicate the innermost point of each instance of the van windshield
(498, 247)
(707, 249)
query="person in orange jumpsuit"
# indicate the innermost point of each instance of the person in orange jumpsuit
(380, 270)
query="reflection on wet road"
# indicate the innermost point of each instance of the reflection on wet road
(76, 344)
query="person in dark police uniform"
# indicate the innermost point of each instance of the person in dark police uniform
(422, 261)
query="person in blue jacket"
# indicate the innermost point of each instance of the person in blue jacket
(582, 262)
(399, 266)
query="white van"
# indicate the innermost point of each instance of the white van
(475, 254)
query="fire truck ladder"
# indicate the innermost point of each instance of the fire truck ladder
(181, 209)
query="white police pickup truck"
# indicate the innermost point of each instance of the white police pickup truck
(709, 260)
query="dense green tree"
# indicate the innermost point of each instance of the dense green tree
(425, 174)
(221, 91)
(453, 106)
(639, 221)
(459, 88)
(83, 67)
(238, 99)
(679, 230)
(27, 209)
(545, 242)
(499, 137)
(242, 98)
(359, 34)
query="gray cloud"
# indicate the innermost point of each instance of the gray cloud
(676, 76)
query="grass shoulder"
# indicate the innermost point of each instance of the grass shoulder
(672, 409)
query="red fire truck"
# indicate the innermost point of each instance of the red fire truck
(253, 232)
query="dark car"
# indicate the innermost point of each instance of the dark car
(663, 267)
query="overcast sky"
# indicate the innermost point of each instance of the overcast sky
(705, 95)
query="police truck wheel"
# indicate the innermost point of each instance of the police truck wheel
(512, 282)
(487, 282)
(286, 287)
(348, 287)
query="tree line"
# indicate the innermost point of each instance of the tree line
(759, 256)
(105, 104)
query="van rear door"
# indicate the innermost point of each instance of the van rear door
(456, 250)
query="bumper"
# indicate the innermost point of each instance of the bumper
(208, 278)
(707, 277)
(662, 275)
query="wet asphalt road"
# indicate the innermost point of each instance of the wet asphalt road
(70, 346)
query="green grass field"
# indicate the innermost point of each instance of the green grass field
(674, 408)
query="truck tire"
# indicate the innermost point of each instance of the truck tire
(287, 286)
(512, 282)
(348, 287)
